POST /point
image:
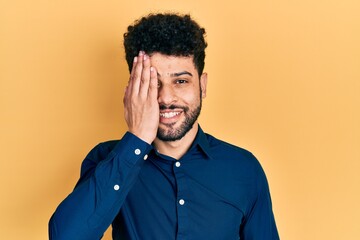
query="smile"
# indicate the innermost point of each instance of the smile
(169, 114)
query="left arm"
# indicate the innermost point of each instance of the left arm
(259, 223)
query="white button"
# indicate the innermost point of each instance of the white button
(116, 187)
(181, 202)
(137, 151)
(177, 164)
(145, 157)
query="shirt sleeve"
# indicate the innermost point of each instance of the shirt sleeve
(88, 211)
(259, 223)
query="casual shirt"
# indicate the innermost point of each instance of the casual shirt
(216, 191)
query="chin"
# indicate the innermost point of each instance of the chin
(173, 134)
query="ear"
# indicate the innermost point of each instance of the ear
(203, 84)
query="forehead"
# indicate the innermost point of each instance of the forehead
(166, 65)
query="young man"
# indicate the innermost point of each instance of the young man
(167, 179)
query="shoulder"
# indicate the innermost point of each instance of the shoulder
(236, 157)
(238, 168)
(225, 149)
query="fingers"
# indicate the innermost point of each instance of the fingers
(136, 73)
(153, 88)
(145, 77)
(141, 108)
(140, 76)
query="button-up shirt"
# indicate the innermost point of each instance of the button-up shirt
(215, 191)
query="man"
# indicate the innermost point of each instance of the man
(167, 179)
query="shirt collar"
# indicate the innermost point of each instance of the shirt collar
(201, 141)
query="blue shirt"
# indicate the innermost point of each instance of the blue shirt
(216, 191)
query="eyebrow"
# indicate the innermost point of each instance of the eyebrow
(178, 74)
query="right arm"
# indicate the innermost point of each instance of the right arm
(97, 198)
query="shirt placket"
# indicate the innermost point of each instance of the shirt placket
(182, 198)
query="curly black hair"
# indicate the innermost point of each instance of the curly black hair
(166, 33)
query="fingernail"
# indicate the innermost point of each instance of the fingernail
(151, 69)
(145, 57)
(135, 59)
(141, 53)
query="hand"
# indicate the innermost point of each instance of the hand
(140, 100)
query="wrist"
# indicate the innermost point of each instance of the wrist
(145, 137)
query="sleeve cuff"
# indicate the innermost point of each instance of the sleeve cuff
(132, 148)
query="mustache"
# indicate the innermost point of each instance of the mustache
(172, 107)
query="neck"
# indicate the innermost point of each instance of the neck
(177, 149)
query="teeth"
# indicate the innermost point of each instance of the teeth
(169, 114)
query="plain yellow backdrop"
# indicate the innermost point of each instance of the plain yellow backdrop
(284, 83)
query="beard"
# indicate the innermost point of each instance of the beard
(174, 134)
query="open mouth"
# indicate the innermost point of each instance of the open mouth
(169, 114)
(170, 117)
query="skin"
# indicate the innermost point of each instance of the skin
(161, 80)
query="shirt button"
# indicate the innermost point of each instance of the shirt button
(116, 187)
(177, 164)
(181, 201)
(137, 151)
(145, 157)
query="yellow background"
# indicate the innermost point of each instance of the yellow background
(284, 82)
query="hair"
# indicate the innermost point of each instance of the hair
(169, 34)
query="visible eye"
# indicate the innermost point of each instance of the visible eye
(181, 81)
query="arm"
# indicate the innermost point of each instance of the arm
(104, 184)
(259, 223)
(91, 207)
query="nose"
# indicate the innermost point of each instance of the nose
(166, 95)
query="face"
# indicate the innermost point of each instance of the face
(179, 95)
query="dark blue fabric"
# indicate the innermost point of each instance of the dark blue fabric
(215, 191)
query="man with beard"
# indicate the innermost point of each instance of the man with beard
(166, 178)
